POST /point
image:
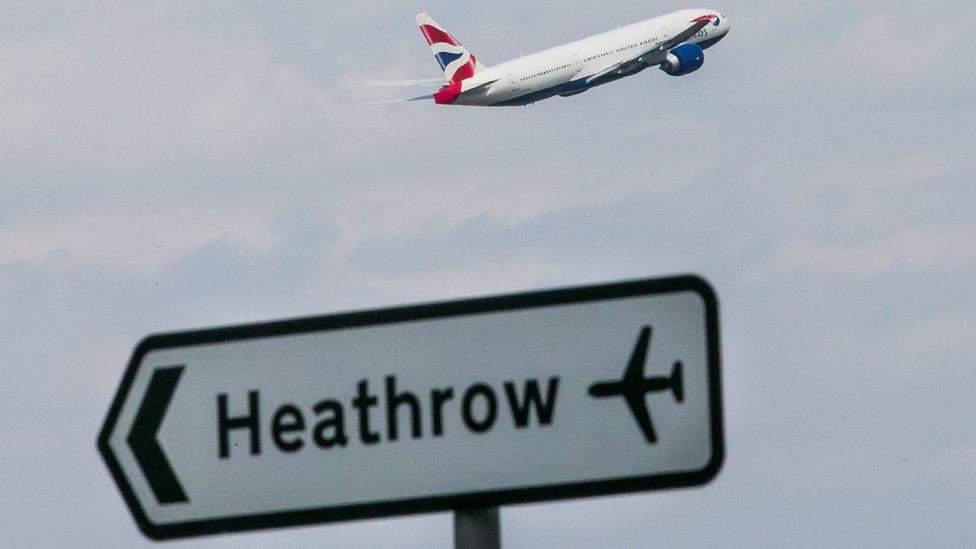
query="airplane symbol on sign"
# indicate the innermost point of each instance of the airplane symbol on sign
(634, 386)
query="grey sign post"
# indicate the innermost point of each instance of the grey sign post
(462, 405)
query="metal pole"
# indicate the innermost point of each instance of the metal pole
(477, 529)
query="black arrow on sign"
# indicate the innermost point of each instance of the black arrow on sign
(142, 438)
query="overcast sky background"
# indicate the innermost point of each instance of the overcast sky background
(196, 164)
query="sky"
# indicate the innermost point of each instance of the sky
(193, 164)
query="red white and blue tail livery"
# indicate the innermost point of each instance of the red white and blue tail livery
(457, 62)
(672, 42)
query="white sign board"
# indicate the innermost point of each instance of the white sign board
(484, 402)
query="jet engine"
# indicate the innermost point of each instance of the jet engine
(685, 59)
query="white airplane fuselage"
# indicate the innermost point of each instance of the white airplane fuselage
(578, 66)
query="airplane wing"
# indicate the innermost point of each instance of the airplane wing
(633, 385)
(415, 82)
(638, 407)
(634, 376)
(653, 56)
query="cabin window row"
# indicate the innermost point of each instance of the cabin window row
(538, 74)
(618, 50)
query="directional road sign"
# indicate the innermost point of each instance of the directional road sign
(474, 403)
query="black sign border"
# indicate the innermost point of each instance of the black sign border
(463, 307)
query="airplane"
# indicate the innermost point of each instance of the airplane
(673, 42)
(634, 386)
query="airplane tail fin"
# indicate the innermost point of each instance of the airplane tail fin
(457, 62)
(677, 382)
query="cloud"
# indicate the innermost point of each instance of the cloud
(913, 249)
(193, 164)
(522, 271)
(404, 208)
(135, 238)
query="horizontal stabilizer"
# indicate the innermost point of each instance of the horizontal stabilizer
(482, 86)
(414, 82)
(677, 382)
(407, 100)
